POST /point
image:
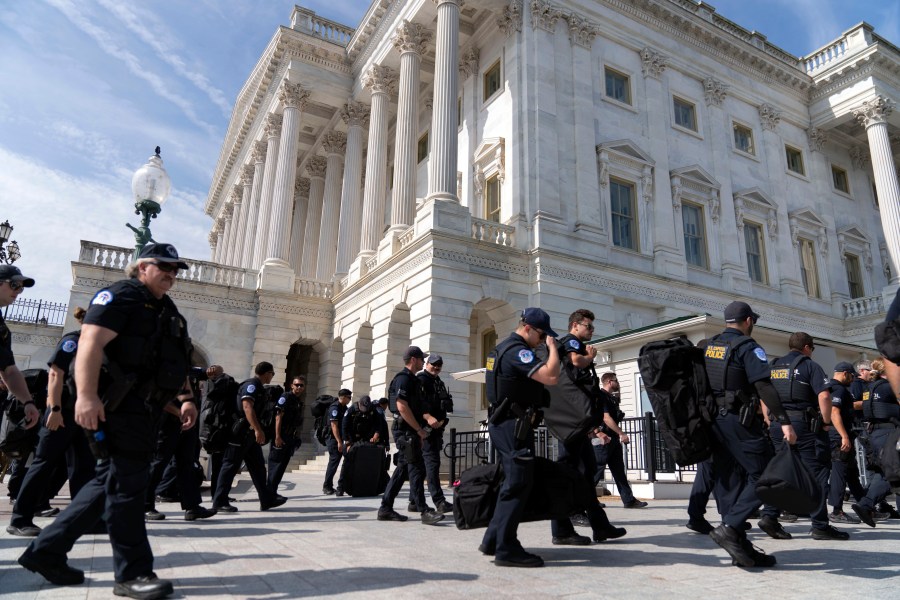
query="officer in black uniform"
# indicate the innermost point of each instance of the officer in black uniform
(246, 444)
(515, 380)
(806, 397)
(288, 425)
(405, 393)
(135, 327)
(844, 470)
(335, 442)
(437, 402)
(384, 434)
(59, 433)
(360, 423)
(12, 282)
(737, 367)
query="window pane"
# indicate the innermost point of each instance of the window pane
(422, 149)
(623, 215)
(839, 178)
(492, 81)
(808, 270)
(794, 160)
(684, 115)
(492, 199)
(694, 243)
(854, 279)
(743, 139)
(755, 258)
(488, 343)
(617, 86)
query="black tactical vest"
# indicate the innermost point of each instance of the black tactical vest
(524, 391)
(794, 395)
(726, 376)
(880, 403)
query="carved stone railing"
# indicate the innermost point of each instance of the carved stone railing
(493, 233)
(405, 239)
(863, 307)
(371, 263)
(827, 55)
(313, 289)
(307, 21)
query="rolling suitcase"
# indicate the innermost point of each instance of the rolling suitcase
(364, 467)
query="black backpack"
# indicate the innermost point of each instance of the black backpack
(218, 415)
(266, 414)
(571, 415)
(319, 410)
(15, 440)
(674, 375)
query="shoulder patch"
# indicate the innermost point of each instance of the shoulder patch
(69, 346)
(334, 413)
(573, 344)
(281, 401)
(251, 388)
(103, 298)
(760, 354)
(526, 356)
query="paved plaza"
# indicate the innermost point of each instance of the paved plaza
(324, 546)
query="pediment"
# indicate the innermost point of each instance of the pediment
(808, 216)
(488, 147)
(852, 231)
(696, 175)
(626, 149)
(757, 196)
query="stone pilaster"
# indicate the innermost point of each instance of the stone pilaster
(259, 166)
(315, 166)
(220, 243)
(241, 232)
(356, 116)
(443, 159)
(273, 138)
(213, 241)
(227, 211)
(334, 145)
(236, 201)
(298, 222)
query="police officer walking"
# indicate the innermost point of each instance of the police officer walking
(737, 367)
(335, 442)
(612, 454)
(12, 282)
(437, 402)
(288, 425)
(844, 470)
(135, 327)
(515, 380)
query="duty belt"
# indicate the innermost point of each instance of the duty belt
(883, 426)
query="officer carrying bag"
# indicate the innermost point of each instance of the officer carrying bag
(15, 440)
(218, 415)
(266, 413)
(574, 409)
(787, 483)
(674, 375)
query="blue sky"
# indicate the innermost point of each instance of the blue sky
(91, 87)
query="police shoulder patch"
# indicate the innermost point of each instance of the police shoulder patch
(526, 356)
(281, 401)
(251, 388)
(334, 413)
(760, 354)
(103, 298)
(69, 346)
(574, 344)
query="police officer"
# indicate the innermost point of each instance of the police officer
(288, 425)
(135, 327)
(515, 380)
(360, 424)
(612, 454)
(737, 367)
(381, 408)
(246, 445)
(437, 402)
(844, 470)
(59, 433)
(335, 442)
(12, 282)
(405, 391)
(806, 397)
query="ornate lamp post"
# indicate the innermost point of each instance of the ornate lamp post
(9, 253)
(150, 186)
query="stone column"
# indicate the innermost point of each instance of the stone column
(220, 243)
(381, 81)
(410, 41)
(259, 165)
(213, 241)
(298, 223)
(227, 211)
(334, 144)
(231, 257)
(241, 233)
(442, 163)
(873, 116)
(316, 167)
(356, 116)
(273, 135)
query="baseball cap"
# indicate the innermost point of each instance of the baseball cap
(413, 352)
(845, 367)
(435, 359)
(163, 253)
(539, 319)
(738, 311)
(11, 273)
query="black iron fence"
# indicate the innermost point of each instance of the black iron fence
(646, 451)
(41, 312)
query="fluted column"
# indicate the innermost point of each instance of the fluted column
(356, 116)
(410, 41)
(240, 227)
(315, 166)
(259, 165)
(873, 116)
(230, 251)
(273, 138)
(213, 240)
(226, 233)
(381, 81)
(220, 243)
(294, 98)
(334, 145)
(443, 159)
(298, 223)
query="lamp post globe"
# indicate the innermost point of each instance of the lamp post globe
(150, 186)
(9, 252)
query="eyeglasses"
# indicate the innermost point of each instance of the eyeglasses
(588, 326)
(811, 347)
(15, 285)
(541, 335)
(437, 367)
(165, 267)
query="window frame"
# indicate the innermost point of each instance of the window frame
(486, 96)
(492, 182)
(807, 250)
(760, 238)
(634, 228)
(835, 170)
(488, 161)
(486, 346)
(735, 125)
(788, 149)
(629, 92)
(852, 268)
(686, 206)
(420, 144)
(693, 107)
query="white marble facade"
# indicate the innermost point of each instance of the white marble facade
(425, 176)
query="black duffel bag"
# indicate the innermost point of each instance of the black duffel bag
(788, 484)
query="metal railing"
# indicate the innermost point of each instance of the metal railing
(40, 312)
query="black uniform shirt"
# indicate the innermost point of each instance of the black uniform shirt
(843, 400)
(409, 389)
(431, 400)
(809, 375)
(290, 406)
(750, 356)
(65, 352)
(519, 361)
(336, 413)
(253, 390)
(6, 354)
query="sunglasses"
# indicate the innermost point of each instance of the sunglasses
(588, 326)
(15, 285)
(541, 334)
(298, 384)
(165, 267)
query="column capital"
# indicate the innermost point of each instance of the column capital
(301, 188)
(259, 151)
(213, 238)
(511, 18)
(293, 95)
(769, 116)
(380, 79)
(545, 14)
(581, 31)
(411, 37)
(247, 174)
(334, 142)
(315, 166)
(714, 91)
(458, 3)
(653, 63)
(356, 114)
(874, 111)
(237, 193)
(468, 64)
(817, 139)
(273, 125)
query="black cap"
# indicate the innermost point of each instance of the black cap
(738, 311)
(845, 367)
(538, 319)
(345, 392)
(163, 253)
(11, 273)
(413, 352)
(435, 359)
(365, 403)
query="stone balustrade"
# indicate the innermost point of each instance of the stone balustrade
(371, 263)
(863, 307)
(309, 22)
(493, 233)
(405, 239)
(826, 56)
(313, 289)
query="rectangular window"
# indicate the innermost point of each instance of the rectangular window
(839, 179)
(624, 214)
(794, 160)
(492, 81)
(422, 148)
(743, 139)
(756, 258)
(808, 270)
(685, 114)
(694, 236)
(492, 199)
(854, 277)
(617, 86)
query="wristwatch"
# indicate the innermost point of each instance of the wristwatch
(55, 408)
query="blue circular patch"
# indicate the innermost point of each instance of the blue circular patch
(574, 344)
(760, 354)
(334, 413)
(526, 356)
(281, 401)
(251, 388)
(69, 346)
(102, 298)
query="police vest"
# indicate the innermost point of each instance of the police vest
(362, 424)
(524, 391)
(879, 402)
(794, 395)
(409, 382)
(726, 376)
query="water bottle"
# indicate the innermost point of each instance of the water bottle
(97, 442)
